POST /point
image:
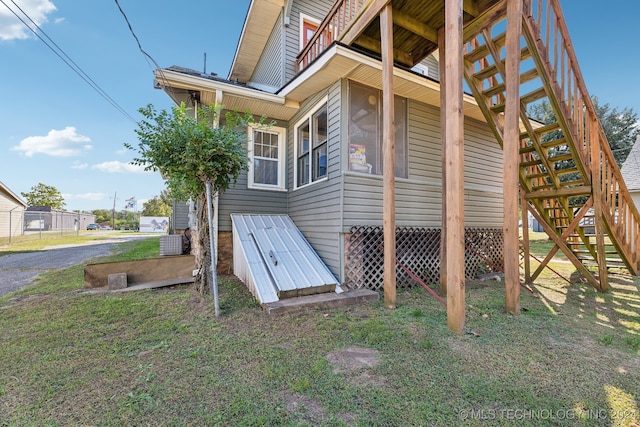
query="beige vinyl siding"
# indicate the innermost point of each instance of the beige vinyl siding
(268, 71)
(316, 208)
(11, 216)
(419, 198)
(316, 9)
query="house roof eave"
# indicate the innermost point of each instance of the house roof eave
(233, 96)
(261, 17)
(13, 195)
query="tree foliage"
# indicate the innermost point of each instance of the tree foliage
(158, 205)
(44, 195)
(619, 126)
(102, 215)
(190, 149)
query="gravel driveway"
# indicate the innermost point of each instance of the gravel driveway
(18, 270)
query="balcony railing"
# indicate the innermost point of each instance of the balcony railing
(340, 18)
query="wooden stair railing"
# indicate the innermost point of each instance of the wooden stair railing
(567, 170)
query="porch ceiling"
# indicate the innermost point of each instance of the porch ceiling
(415, 27)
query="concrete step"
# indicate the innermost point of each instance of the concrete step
(321, 301)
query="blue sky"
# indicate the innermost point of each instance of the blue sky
(56, 129)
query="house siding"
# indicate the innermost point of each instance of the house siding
(316, 208)
(433, 67)
(241, 199)
(316, 9)
(11, 216)
(268, 71)
(180, 212)
(419, 198)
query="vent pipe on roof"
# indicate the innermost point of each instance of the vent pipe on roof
(205, 63)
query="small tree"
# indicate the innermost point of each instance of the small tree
(44, 195)
(188, 152)
(157, 206)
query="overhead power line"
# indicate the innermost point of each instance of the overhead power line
(60, 53)
(144, 53)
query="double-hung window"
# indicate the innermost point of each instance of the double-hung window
(267, 154)
(311, 146)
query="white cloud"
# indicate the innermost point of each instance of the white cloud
(12, 28)
(58, 143)
(118, 167)
(121, 151)
(79, 165)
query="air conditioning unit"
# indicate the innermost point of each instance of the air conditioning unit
(171, 245)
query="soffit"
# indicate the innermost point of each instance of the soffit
(340, 62)
(260, 20)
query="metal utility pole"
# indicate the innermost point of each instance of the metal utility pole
(113, 211)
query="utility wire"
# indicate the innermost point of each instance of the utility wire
(144, 53)
(66, 59)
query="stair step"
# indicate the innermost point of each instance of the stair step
(561, 157)
(545, 145)
(586, 251)
(492, 70)
(534, 95)
(525, 77)
(566, 171)
(530, 163)
(483, 50)
(543, 129)
(609, 260)
(575, 183)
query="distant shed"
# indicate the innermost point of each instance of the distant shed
(11, 212)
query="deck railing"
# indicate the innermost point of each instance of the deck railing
(339, 19)
(546, 19)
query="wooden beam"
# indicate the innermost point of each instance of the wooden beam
(598, 219)
(375, 46)
(488, 17)
(388, 150)
(470, 7)
(524, 206)
(454, 152)
(570, 229)
(364, 19)
(560, 243)
(417, 27)
(511, 157)
(443, 132)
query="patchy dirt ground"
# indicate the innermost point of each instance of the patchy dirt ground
(354, 362)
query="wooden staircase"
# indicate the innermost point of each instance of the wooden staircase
(567, 173)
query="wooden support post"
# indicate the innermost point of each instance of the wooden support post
(598, 219)
(524, 205)
(454, 154)
(388, 150)
(443, 130)
(511, 145)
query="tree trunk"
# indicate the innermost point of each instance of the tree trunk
(200, 246)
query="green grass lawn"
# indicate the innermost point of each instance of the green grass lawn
(162, 358)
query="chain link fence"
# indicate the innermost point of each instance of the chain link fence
(33, 224)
